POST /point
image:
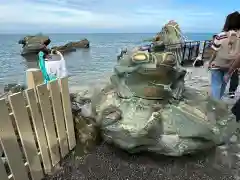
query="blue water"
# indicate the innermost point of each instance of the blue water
(85, 66)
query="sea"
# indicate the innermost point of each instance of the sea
(85, 66)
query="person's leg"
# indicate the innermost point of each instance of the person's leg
(233, 83)
(223, 88)
(224, 84)
(217, 83)
(236, 110)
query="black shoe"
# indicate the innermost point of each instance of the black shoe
(231, 95)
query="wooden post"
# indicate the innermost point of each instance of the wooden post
(34, 77)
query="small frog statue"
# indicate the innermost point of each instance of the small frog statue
(154, 75)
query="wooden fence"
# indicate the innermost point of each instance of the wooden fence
(36, 131)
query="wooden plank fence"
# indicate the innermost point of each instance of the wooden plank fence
(36, 130)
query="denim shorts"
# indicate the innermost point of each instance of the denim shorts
(218, 85)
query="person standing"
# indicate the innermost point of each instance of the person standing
(226, 46)
(235, 65)
(234, 80)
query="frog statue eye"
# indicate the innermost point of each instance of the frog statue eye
(166, 59)
(140, 57)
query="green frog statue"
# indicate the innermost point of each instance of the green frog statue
(146, 107)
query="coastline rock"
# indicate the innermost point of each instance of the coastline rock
(86, 129)
(14, 88)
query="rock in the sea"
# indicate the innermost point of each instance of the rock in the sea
(72, 46)
(33, 39)
(31, 45)
(64, 49)
(80, 44)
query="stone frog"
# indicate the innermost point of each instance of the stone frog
(146, 107)
(147, 75)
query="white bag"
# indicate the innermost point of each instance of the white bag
(56, 67)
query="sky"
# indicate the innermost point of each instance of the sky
(104, 16)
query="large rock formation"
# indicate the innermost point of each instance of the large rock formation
(169, 34)
(14, 88)
(188, 52)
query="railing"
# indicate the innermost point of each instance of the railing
(189, 51)
(36, 131)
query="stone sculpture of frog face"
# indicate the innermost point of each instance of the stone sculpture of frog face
(148, 75)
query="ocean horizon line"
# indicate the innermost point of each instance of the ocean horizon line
(63, 33)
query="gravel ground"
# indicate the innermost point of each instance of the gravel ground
(109, 163)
